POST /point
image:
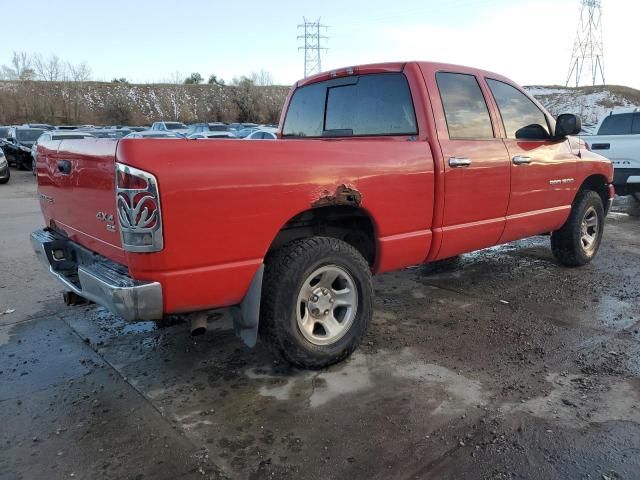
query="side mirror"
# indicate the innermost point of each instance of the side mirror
(567, 124)
(532, 132)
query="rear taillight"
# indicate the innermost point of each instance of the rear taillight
(138, 207)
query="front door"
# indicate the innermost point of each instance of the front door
(543, 169)
(476, 176)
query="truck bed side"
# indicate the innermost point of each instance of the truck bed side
(224, 202)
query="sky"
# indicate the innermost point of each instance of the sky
(529, 41)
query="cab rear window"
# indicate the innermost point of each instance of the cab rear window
(366, 105)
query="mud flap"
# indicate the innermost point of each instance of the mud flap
(247, 314)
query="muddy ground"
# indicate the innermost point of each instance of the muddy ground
(502, 365)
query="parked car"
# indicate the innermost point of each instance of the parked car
(109, 132)
(153, 134)
(4, 134)
(262, 134)
(173, 127)
(207, 127)
(245, 132)
(17, 147)
(234, 127)
(379, 167)
(55, 135)
(211, 135)
(5, 173)
(43, 126)
(68, 127)
(618, 139)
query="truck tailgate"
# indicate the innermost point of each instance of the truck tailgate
(76, 192)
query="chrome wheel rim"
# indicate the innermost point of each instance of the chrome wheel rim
(589, 228)
(327, 305)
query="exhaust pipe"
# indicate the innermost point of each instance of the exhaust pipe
(198, 323)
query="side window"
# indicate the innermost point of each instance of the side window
(521, 117)
(376, 104)
(464, 106)
(635, 128)
(305, 116)
(616, 124)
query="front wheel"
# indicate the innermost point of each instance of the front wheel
(317, 301)
(577, 242)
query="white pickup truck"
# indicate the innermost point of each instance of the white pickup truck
(618, 139)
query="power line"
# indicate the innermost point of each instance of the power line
(313, 45)
(587, 59)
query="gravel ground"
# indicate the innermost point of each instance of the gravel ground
(499, 365)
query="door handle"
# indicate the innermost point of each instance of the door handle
(64, 167)
(520, 160)
(456, 162)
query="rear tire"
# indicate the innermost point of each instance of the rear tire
(317, 301)
(5, 180)
(578, 241)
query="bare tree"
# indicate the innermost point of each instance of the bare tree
(262, 78)
(7, 73)
(80, 72)
(51, 69)
(21, 63)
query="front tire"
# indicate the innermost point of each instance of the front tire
(578, 241)
(317, 301)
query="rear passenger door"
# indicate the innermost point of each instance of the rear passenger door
(543, 169)
(476, 166)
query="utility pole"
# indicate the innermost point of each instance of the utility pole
(313, 45)
(587, 59)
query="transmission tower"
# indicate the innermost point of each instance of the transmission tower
(587, 60)
(312, 47)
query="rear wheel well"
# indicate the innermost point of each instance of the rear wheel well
(349, 224)
(598, 184)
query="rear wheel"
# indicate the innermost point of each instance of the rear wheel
(6, 179)
(317, 301)
(577, 242)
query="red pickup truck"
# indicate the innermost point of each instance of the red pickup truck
(376, 168)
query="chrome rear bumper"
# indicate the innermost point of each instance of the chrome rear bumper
(96, 278)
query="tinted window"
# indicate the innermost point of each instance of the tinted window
(464, 106)
(635, 128)
(305, 115)
(175, 126)
(69, 137)
(4, 132)
(616, 125)
(30, 135)
(377, 104)
(519, 113)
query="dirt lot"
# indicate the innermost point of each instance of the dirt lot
(503, 365)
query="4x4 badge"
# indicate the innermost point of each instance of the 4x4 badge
(108, 218)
